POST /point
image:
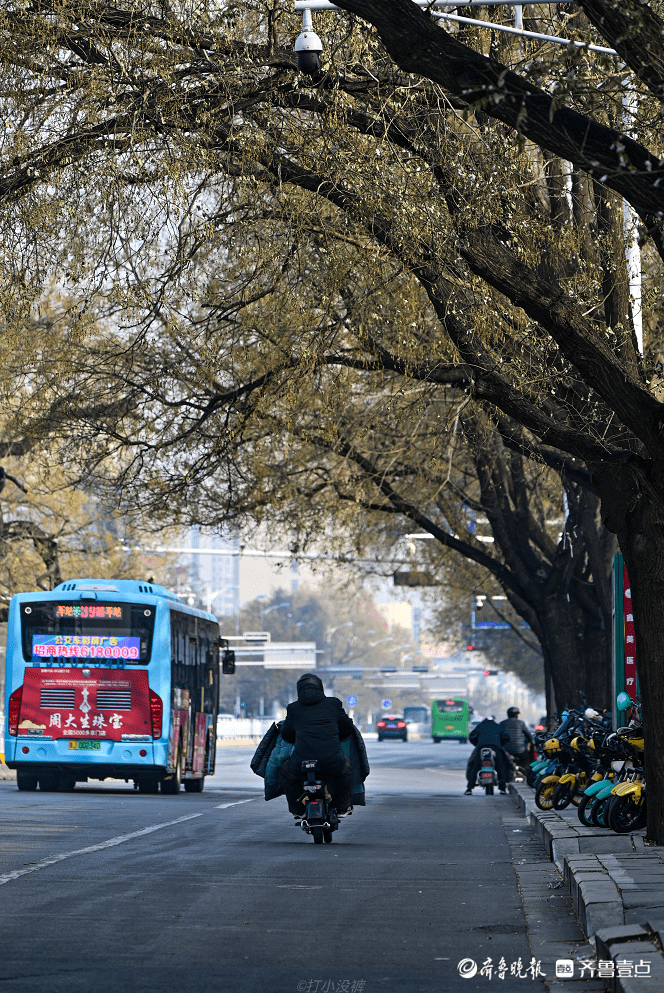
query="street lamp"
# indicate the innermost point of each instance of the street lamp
(211, 596)
(264, 613)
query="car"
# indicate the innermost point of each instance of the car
(392, 726)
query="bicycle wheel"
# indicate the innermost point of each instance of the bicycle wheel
(562, 796)
(623, 814)
(531, 777)
(598, 811)
(583, 810)
(544, 794)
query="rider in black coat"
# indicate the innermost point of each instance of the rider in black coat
(520, 736)
(316, 724)
(488, 734)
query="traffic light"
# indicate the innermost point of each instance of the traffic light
(490, 672)
(470, 647)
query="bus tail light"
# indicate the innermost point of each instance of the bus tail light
(157, 712)
(14, 710)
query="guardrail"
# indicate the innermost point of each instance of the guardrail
(243, 727)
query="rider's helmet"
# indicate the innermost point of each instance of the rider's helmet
(513, 711)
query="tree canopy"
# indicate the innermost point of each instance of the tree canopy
(282, 283)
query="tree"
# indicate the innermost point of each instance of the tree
(50, 531)
(523, 311)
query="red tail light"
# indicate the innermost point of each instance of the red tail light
(381, 724)
(14, 710)
(157, 712)
(401, 724)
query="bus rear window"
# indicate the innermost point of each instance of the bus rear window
(95, 631)
(450, 706)
(416, 714)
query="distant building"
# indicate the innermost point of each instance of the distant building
(214, 578)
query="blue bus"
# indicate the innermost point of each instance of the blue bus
(111, 679)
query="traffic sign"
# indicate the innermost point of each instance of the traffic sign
(351, 701)
(386, 704)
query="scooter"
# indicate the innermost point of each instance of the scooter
(487, 776)
(320, 818)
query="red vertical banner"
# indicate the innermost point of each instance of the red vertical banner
(630, 652)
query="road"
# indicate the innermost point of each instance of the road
(105, 890)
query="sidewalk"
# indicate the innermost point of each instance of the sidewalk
(616, 883)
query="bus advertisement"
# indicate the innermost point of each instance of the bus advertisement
(450, 719)
(111, 679)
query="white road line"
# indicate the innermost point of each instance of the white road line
(7, 877)
(222, 806)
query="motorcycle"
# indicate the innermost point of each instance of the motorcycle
(487, 776)
(320, 818)
(625, 809)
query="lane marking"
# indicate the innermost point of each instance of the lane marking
(7, 877)
(222, 806)
(294, 886)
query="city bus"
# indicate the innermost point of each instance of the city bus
(111, 679)
(417, 720)
(450, 719)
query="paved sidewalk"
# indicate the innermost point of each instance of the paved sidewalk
(554, 931)
(616, 883)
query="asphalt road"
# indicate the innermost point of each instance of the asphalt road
(105, 890)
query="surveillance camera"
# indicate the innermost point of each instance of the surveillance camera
(309, 63)
(308, 47)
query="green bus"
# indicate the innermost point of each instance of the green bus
(450, 719)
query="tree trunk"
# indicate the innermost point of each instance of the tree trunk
(577, 653)
(642, 544)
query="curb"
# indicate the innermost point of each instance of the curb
(617, 889)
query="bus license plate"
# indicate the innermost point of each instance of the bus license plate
(85, 744)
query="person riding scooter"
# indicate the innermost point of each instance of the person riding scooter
(316, 724)
(488, 734)
(521, 740)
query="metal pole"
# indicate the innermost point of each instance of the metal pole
(327, 5)
(309, 5)
(525, 34)
(630, 225)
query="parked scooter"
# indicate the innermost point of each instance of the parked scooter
(487, 775)
(320, 818)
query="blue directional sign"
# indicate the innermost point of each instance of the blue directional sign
(386, 704)
(351, 701)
